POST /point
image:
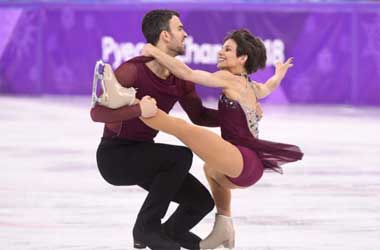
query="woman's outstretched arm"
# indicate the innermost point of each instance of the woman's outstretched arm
(272, 83)
(220, 79)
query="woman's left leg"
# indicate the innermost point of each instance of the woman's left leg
(223, 232)
(220, 187)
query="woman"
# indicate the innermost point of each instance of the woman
(236, 160)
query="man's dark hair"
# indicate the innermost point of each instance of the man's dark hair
(155, 22)
(253, 47)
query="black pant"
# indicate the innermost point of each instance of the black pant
(163, 170)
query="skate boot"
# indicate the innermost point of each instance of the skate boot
(113, 95)
(223, 233)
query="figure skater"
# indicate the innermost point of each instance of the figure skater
(127, 154)
(238, 158)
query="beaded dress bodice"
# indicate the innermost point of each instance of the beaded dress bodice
(236, 120)
(239, 126)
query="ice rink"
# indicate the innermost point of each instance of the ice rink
(53, 197)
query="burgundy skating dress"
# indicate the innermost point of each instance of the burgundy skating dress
(239, 126)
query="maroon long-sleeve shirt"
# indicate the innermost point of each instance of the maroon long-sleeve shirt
(124, 123)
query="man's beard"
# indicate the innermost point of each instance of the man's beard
(179, 51)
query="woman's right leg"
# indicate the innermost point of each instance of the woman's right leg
(219, 154)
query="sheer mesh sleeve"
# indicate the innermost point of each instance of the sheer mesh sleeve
(198, 114)
(127, 75)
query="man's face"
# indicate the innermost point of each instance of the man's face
(177, 36)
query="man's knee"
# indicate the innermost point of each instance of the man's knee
(204, 202)
(184, 157)
(208, 204)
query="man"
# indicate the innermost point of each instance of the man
(127, 154)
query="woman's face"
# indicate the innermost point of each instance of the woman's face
(227, 59)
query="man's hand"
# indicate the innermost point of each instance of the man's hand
(282, 68)
(148, 107)
(147, 50)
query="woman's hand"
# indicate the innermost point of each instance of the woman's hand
(147, 50)
(282, 68)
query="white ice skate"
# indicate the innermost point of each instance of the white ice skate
(222, 234)
(114, 95)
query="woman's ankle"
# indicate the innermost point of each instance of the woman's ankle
(224, 213)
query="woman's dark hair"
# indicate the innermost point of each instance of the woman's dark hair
(253, 47)
(155, 22)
